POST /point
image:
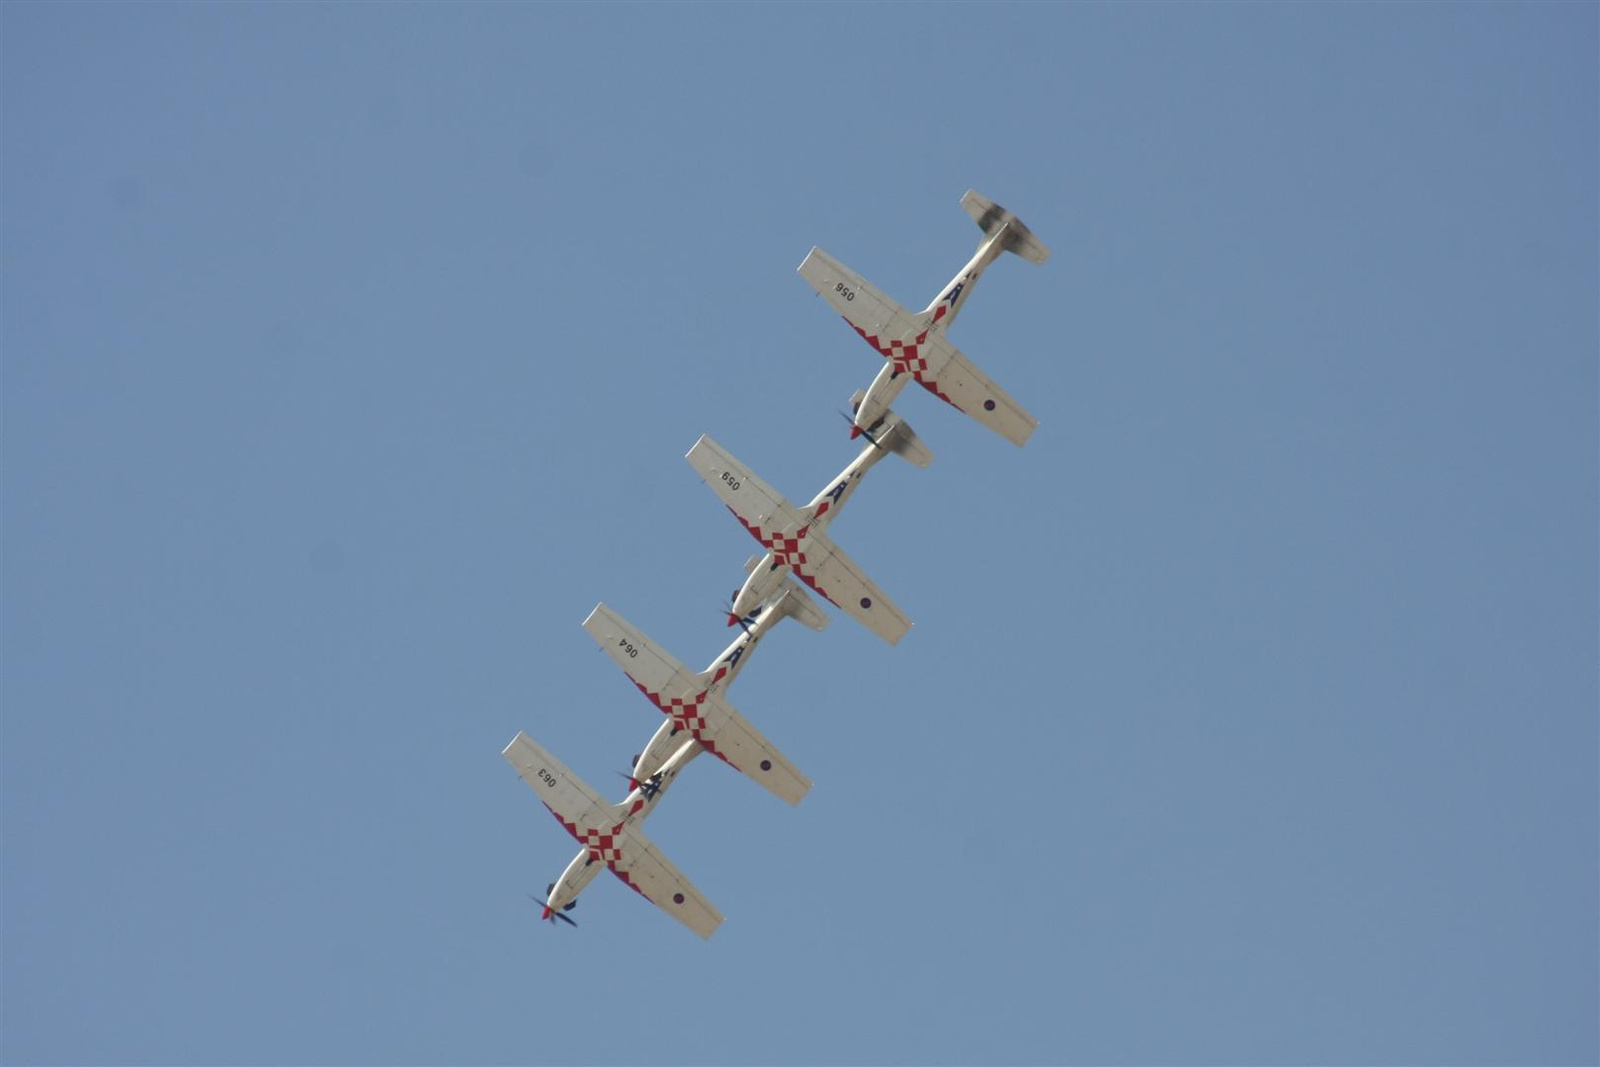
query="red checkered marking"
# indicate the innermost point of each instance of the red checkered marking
(602, 846)
(795, 561)
(687, 714)
(907, 358)
(786, 550)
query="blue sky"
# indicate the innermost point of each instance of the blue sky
(350, 355)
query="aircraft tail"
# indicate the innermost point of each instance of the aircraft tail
(895, 434)
(991, 218)
(791, 600)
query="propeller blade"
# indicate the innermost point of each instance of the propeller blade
(735, 620)
(551, 913)
(856, 431)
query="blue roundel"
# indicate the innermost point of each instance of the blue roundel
(988, 405)
(866, 602)
(766, 765)
(677, 898)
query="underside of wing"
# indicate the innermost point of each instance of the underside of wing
(754, 502)
(569, 797)
(949, 375)
(864, 307)
(836, 576)
(650, 668)
(726, 733)
(642, 865)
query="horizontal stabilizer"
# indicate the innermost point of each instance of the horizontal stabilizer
(792, 598)
(895, 434)
(797, 604)
(991, 217)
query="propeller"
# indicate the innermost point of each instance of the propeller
(551, 913)
(734, 619)
(856, 431)
(649, 786)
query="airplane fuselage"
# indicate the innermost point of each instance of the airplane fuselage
(898, 358)
(669, 737)
(639, 803)
(786, 547)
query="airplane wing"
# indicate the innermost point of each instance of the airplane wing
(567, 796)
(863, 307)
(712, 721)
(723, 732)
(641, 659)
(952, 377)
(643, 866)
(752, 501)
(836, 576)
(899, 335)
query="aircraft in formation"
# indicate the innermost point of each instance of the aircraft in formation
(797, 549)
(914, 345)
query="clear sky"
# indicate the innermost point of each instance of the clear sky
(350, 355)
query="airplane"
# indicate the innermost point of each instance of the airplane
(914, 345)
(600, 827)
(693, 703)
(790, 601)
(794, 537)
(611, 837)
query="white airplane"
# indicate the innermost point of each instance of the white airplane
(794, 537)
(607, 833)
(913, 344)
(644, 663)
(694, 703)
(610, 837)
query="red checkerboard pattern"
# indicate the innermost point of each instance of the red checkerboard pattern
(687, 714)
(602, 846)
(785, 552)
(907, 357)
